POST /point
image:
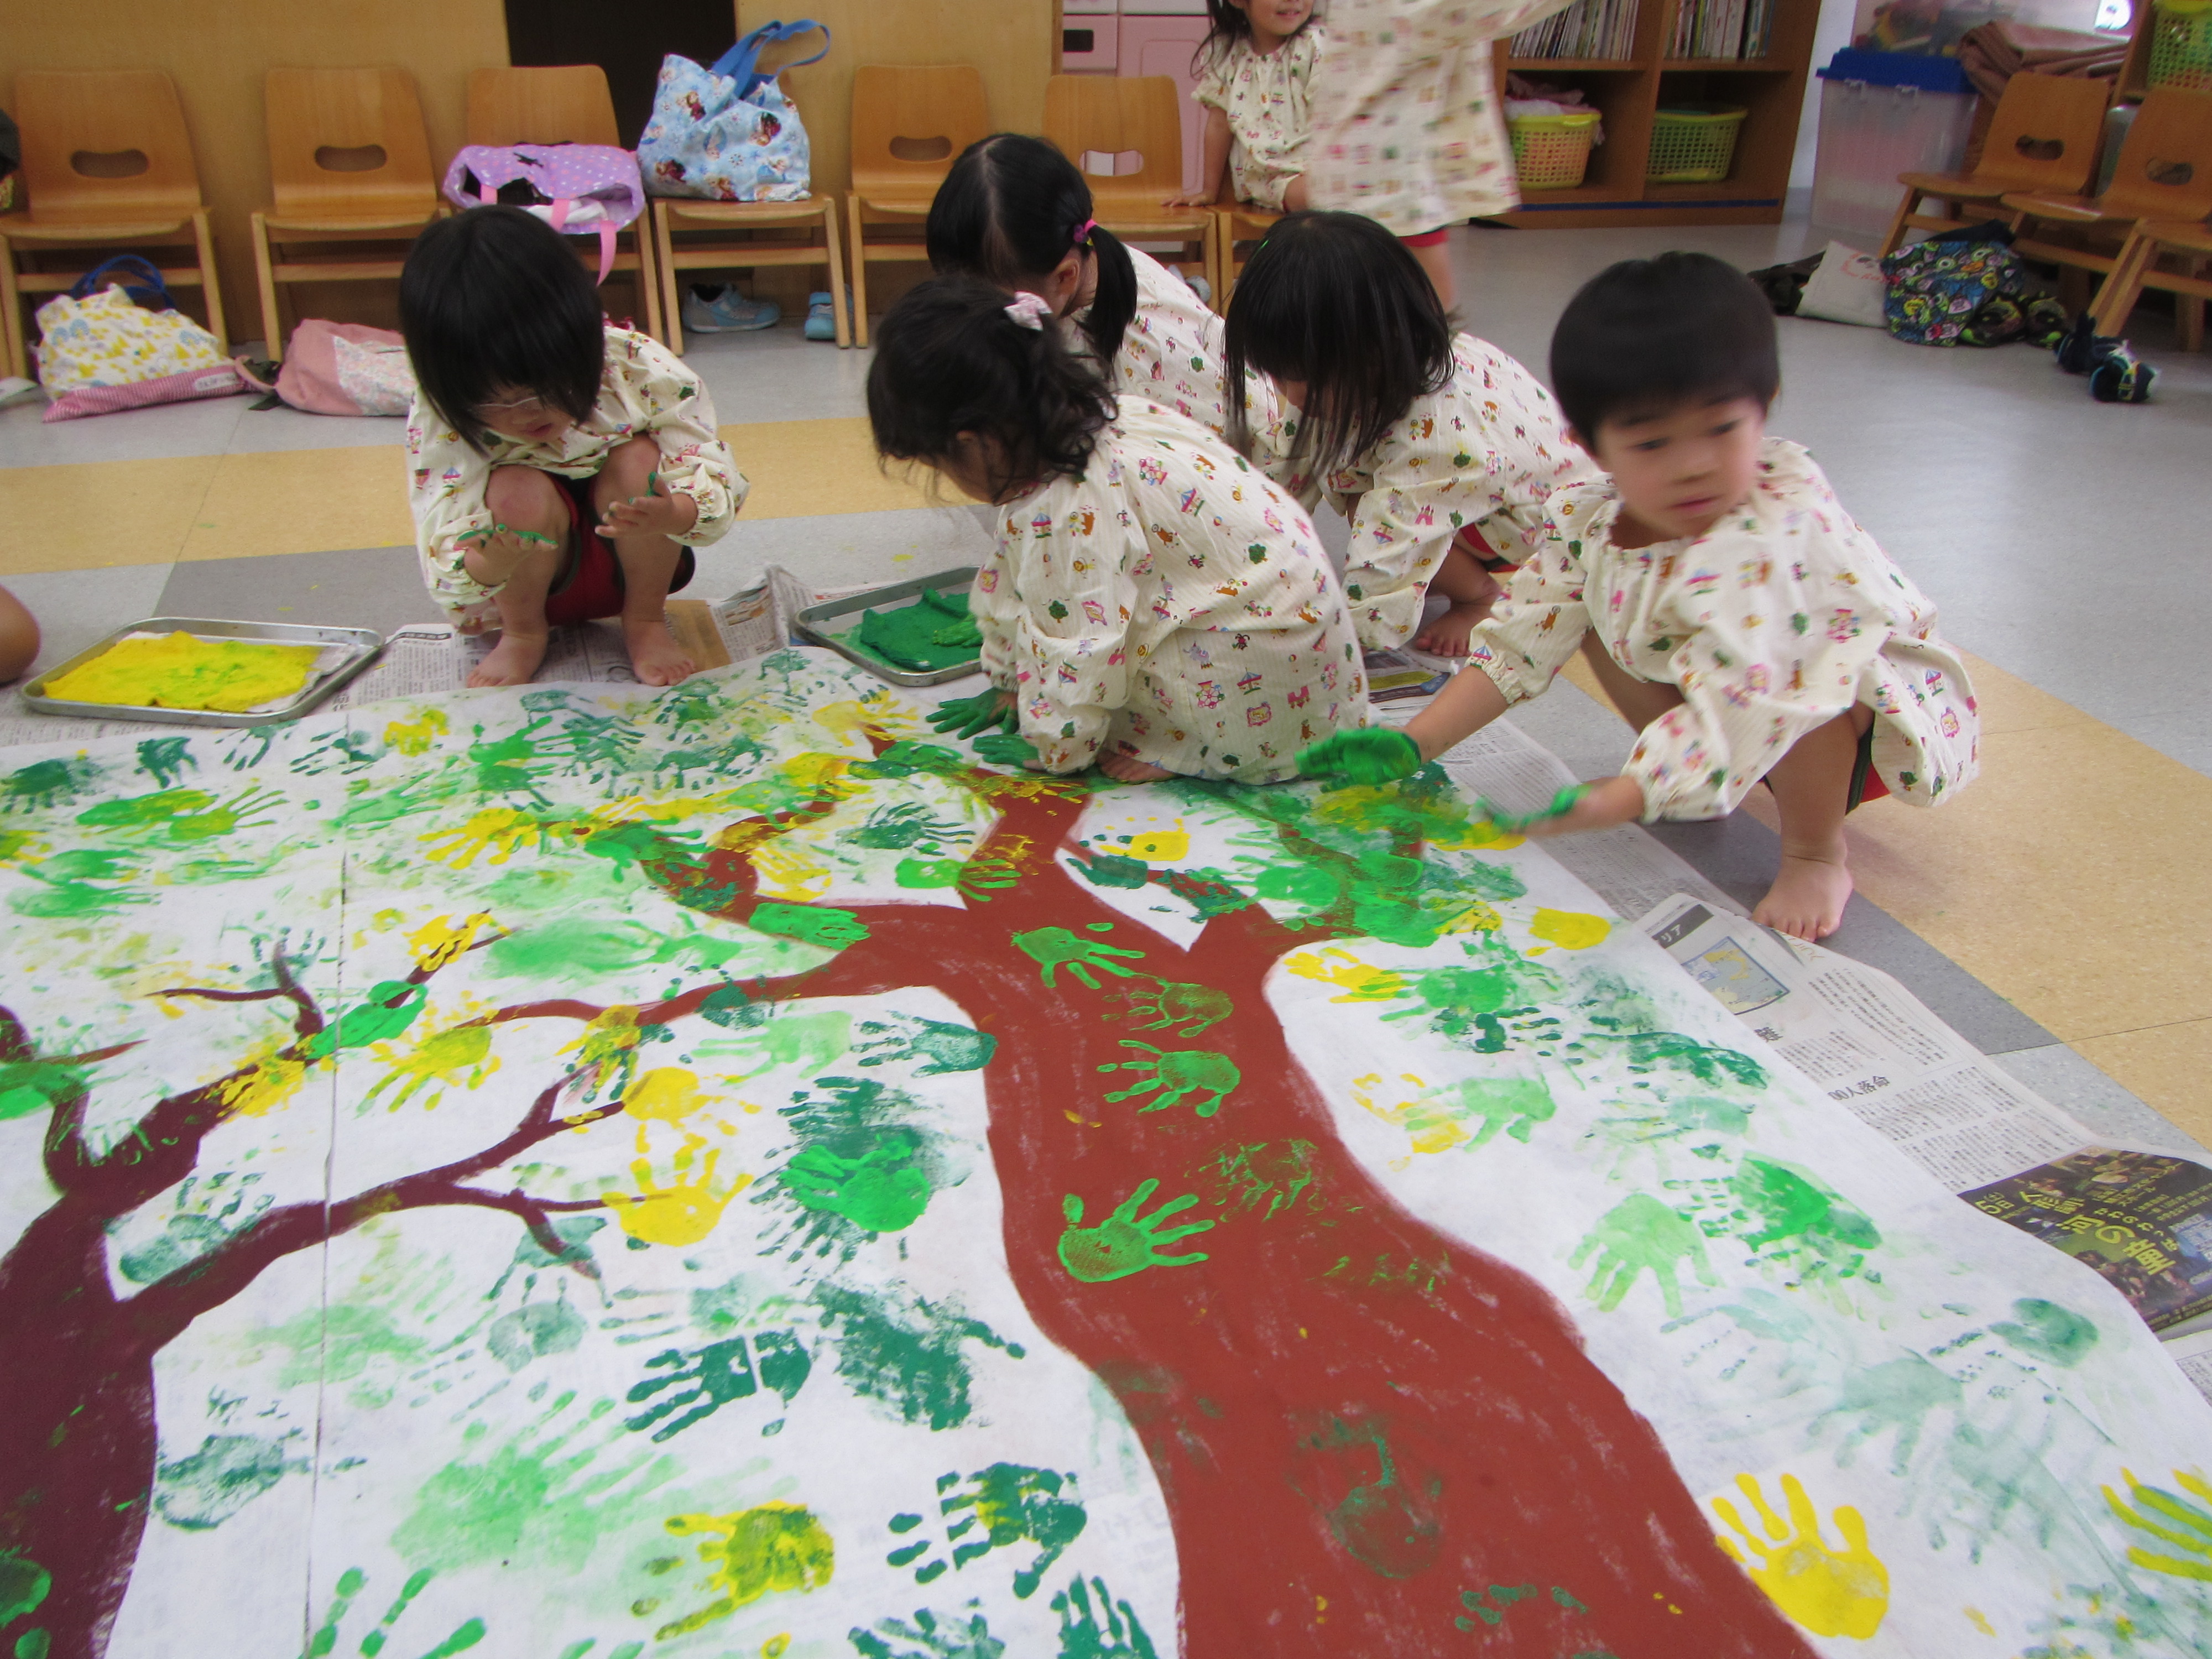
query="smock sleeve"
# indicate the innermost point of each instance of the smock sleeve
(1521, 455)
(446, 480)
(1527, 638)
(1212, 90)
(1071, 625)
(1767, 632)
(664, 399)
(994, 605)
(1402, 524)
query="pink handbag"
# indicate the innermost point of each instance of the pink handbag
(574, 188)
(344, 368)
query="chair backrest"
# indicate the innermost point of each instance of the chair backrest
(319, 117)
(2164, 170)
(569, 104)
(1112, 115)
(936, 108)
(2045, 134)
(105, 146)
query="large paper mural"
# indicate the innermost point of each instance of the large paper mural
(592, 1172)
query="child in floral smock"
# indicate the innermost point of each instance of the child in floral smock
(1153, 605)
(1439, 448)
(1256, 80)
(1732, 610)
(562, 469)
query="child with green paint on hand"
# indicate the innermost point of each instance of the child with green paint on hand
(1730, 608)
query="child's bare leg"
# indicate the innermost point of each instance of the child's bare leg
(1638, 702)
(648, 563)
(1436, 260)
(1812, 788)
(1294, 195)
(1472, 591)
(523, 498)
(1127, 769)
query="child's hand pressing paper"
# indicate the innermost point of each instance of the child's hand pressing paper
(1376, 755)
(965, 716)
(650, 514)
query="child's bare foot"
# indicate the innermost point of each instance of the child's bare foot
(1807, 898)
(654, 654)
(512, 661)
(1447, 636)
(1127, 769)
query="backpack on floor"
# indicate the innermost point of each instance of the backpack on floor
(342, 368)
(577, 189)
(103, 349)
(1940, 291)
(728, 133)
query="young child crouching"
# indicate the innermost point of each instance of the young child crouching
(1732, 610)
(563, 469)
(1154, 604)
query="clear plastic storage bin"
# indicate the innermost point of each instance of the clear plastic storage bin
(1884, 114)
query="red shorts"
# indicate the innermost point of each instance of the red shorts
(1428, 238)
(1470, 541)
(590, 585)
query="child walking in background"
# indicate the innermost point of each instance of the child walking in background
(563, 468)
(1439, 448)
(1732, 610)
(1255, 72)
(1407, 125)
(1153, 604)
(1016, 212)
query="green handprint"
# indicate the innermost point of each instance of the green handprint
(391, 1007)
(909, 1037)
(975, 878)
(1514, 823)
(1106, 1630)
(832, 929)
(1005, 748)
(1170, 1002)
(1376, 755)
(966, 716)
(880, 1184)
(904, 759)
(1052, 948)
(1639, 1235)
(1121, 1245)
(1176, 1073)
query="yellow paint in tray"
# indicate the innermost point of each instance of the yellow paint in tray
(180, 671)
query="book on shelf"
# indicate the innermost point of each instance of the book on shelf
(1736, 29)
(1587, 29)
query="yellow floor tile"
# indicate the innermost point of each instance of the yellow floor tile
(99, 513)
(303, 500)
(803, 469)
(2165, 1066)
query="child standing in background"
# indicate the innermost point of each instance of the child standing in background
(1255, 72)
(1153, 604)
(1407, 125)
(563, 468)
(1439, 448)
(1016, 212)
(1732, 610)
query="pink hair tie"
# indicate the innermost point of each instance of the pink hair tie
(1029, 310)
(1082, 237)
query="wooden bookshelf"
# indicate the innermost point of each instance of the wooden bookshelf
(1628, 91)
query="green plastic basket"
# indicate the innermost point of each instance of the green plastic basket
(1692, 143)
(2181, 48)
(1550, 152)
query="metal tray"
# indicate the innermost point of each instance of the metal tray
(363, 644)
(814, 623)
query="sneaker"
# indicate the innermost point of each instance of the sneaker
(728, 312)
(2122, 378)
(822, 316)
(1201, 288)
(2082, 347)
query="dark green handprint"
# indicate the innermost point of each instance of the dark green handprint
(714, 1375)
(929, 1638)
(1108, 1630)
(1053, 948)
(1170, 1003)
(943, 1047)
(832, 929)
(1177, 1072)
(1121, 1245)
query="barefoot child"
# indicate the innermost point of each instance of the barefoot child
(1016, 212)
(1154, 604)
(1732, 610)
(1439, 448)
(563, 468)
(1255, 72)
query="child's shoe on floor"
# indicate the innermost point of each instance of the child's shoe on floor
(729, 312)
(2083, 348)
(2122, 378)
(821, 315)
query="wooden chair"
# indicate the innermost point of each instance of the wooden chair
(349, 162)
(2043, 138)
(936, 108)
(2164, 173)
(675, 214)
(108, 162)
(1236, 223)
(2136, 269)
(569, 104)
(1112, 115)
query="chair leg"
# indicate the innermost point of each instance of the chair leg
(859, 254)
(272, 326)
(672, 307)
(1897, 224)
(648, 282)
(211, 283)
(1211, 242)
(11, 326)
(2189, 312)
(839, 295)
(2122, 285)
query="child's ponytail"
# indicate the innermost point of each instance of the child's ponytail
(1010, 210)
(963, 367)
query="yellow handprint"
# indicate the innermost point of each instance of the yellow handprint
(2173, 1520)
(458, 1056)
(683, 1212)
(668, 1094)
(787, 871)
(440, 941)
(500, 832)
(873, 717)
(1361, 982)
(1830, 1593)
(415, 737)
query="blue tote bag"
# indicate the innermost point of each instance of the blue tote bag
(727, 133)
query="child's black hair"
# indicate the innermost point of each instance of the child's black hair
(1647, 335)
(1337, 301)
(1011, 209)
(1225, 26)
(493, 302)
(950, 360)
